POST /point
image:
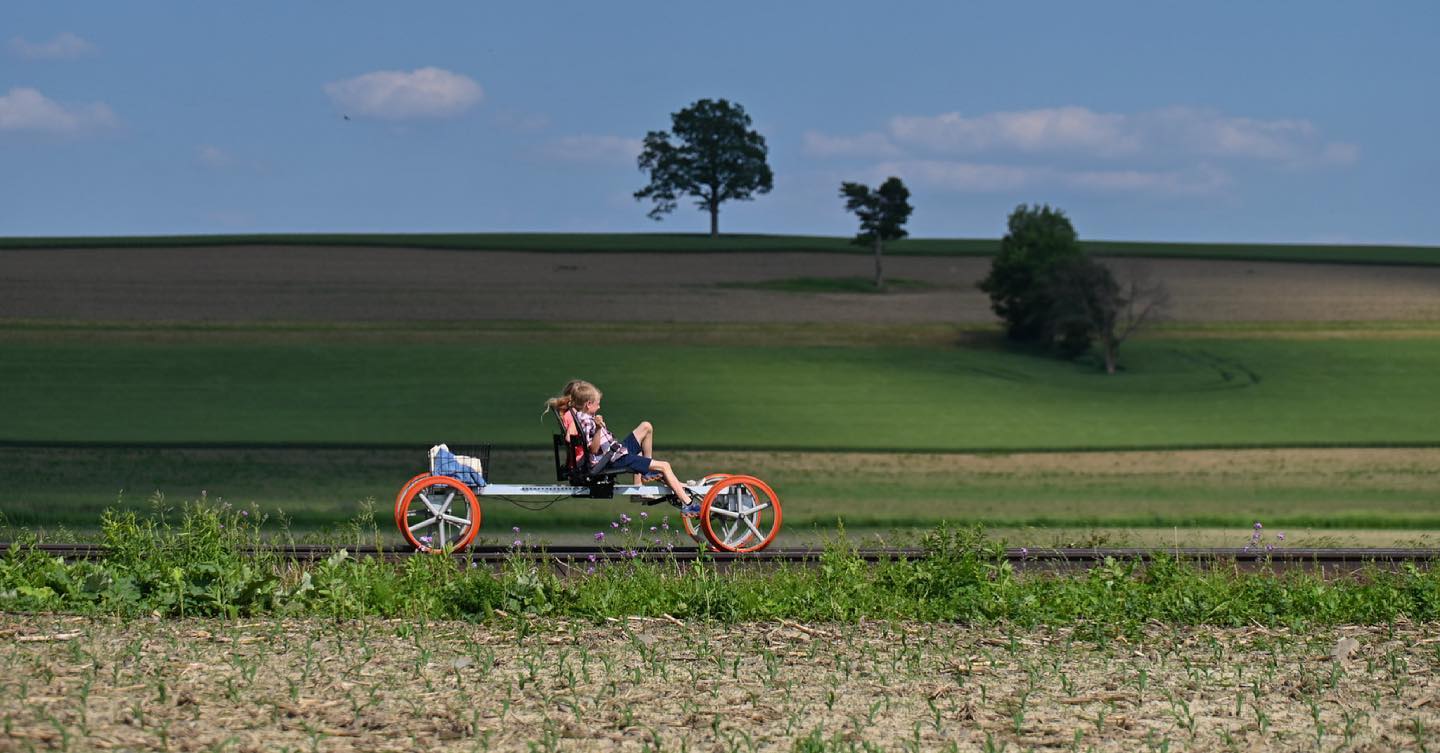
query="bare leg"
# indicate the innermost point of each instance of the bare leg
(645, 435)
(663, 468)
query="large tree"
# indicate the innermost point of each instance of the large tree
(711, 153)
(1039, 238)
(882, 212)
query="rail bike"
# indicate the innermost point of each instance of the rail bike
(440, 511)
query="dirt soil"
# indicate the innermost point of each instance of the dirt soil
(383, 284)
(653, 684)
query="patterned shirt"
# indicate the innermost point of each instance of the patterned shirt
(609, 448)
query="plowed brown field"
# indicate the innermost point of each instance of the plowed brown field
(387, 284)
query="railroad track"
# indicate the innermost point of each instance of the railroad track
(1328, 560)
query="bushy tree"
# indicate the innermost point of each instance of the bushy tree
(1089, 303)
(711, 153)
(882, 212)
(1038, 238)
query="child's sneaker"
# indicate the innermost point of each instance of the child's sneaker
(691, 510)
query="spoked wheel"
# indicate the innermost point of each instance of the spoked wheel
(692, 525)
(740, 514)
(400, 499)
(438, 513)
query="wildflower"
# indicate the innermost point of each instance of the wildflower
(1280, 536)
(613, 524)
(1024, 552)
(644, 514)
(591, 557)
(665, 526)
(599, 535)
(425, 540)
(245, 513)
(634, 553)
(1269, 547)
(515, 543)
(589, 571)
(657, 542)
(624, 518)
(652, 529)
(516, 529)
(1258, 526)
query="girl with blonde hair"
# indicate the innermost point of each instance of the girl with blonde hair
(580, 402)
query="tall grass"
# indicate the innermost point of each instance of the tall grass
(197, 566)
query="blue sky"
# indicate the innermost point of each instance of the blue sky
(1243, 121)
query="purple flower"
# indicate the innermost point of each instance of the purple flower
(1280, 536)
(516, 529)
(589, 571)
(1024, 552)
(613, 524)
(599, 535)
(515, 543)
(591, 557)
(425, 540)
(644, 514)
(652, 529)
(657, 542)
(624, 518)
(665, 525)
(1258, 526)
(245, 513)
(634, 553)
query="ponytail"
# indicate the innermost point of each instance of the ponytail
(567, 397)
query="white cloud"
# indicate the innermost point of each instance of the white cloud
(594, 149)
(401, 95)
(1064, 128)
(25, 109)
(1078, 131)
(817, 144)
(65, 46)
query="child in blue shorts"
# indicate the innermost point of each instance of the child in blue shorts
(632, 453)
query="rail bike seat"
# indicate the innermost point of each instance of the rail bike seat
(572, 459)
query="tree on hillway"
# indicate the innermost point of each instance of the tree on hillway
(1088, 302)
(882, 212)
(710, 153)
(1039, 237)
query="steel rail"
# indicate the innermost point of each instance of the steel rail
(1065, 558)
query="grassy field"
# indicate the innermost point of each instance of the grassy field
(1176, 392)
(697, 243)
(358, 406)
(1318, 497)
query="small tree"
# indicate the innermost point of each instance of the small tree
(882, 213)
(1039, 237)
(1088, 302)
(714, 156)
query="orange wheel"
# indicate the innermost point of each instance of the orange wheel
(740, 514)
(429, 520)
(401, 497)
(692, 525)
